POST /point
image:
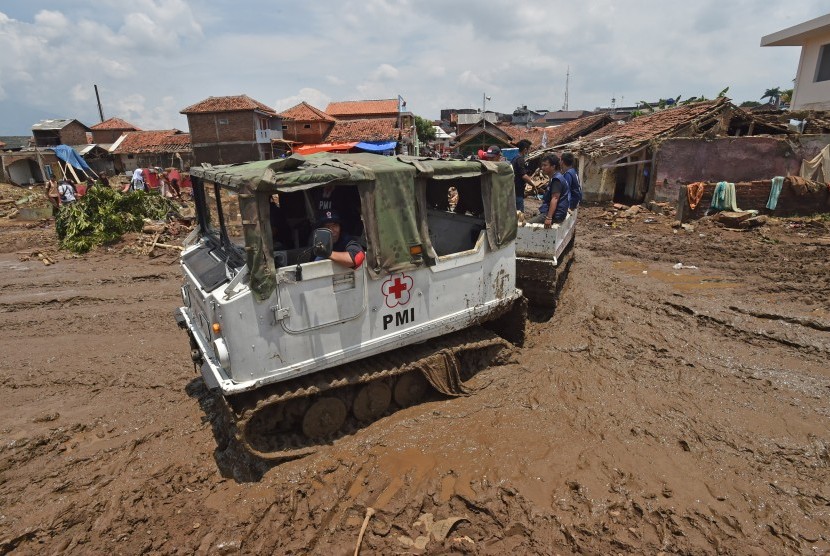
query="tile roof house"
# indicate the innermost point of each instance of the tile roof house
(304, 123)
(369, 130)
(481, 136)
(108, 131)
(142, 149)
(232, 129)
(364, 109)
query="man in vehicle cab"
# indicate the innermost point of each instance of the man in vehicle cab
(346, 250)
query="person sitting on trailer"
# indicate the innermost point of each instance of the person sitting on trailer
(345, 249)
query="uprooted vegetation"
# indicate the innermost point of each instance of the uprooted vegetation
(103, 215)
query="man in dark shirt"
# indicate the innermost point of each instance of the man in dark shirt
(345, 249)
(520, 173)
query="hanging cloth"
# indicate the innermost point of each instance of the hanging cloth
(724, 197)
(820, 164)
(694, 192)
(775, 191)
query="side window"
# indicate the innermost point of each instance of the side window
(293, 217)
(455, 214)
(823, 68)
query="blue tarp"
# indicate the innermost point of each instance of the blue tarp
(68, 154)
(377, 147)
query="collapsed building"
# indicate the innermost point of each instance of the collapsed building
(652, 157)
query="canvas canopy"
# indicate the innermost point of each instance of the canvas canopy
(70, 156)
(389, 192)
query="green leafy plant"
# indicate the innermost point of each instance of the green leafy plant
(103, 215)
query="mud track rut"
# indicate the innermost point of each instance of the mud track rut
(676, 411)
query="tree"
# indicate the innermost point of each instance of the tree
(774, 95)
(750, 104)
(425, 130)
(787, 96)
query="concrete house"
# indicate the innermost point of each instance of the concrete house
(51, 133)
(812, 82)
(232, 129)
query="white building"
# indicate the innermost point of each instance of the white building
(812, 82)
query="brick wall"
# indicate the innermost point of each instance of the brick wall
(73, 134)
(296, 131)
(210, 128)
(754, 196)
(106, 136)
(734, 159)
(226, 154)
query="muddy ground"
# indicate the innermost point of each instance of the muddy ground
(662, 410)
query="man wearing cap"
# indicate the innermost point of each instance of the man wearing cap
(345, 249)
(493, 154)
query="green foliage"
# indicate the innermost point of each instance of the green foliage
(103, 215)
(750, 104)
(425, 130)
(774, 95)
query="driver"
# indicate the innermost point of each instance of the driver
(345, 249)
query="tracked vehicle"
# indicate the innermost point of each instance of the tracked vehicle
(303, 349)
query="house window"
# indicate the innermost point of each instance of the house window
(306, 126)
(285, 128)
(223, 121)
(823, 69)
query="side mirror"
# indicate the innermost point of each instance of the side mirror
(321, 243)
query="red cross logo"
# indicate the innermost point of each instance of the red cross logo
(396, 289)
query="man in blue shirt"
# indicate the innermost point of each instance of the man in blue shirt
(572, 178)
(556, 199)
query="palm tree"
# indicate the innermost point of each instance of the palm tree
(774, 96)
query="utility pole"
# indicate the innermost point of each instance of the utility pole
(98, 98)
(484, 99)
(567, 83)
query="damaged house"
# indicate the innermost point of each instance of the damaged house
(148, 149)
(652, 157)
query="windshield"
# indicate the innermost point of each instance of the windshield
(222, 201)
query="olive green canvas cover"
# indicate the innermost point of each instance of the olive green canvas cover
(388, 188)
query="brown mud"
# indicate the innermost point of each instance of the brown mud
(662, 410)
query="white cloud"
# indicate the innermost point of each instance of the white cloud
(384, 72)
(151, 58)
(316, 98)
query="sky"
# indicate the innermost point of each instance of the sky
(152, 58)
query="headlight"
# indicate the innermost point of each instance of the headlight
(186, 295)
(220, 349)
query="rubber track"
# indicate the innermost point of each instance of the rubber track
(292, 445)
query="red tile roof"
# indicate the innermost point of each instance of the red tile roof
(115, 123)
(519, 132)
(575, 129)
(361, 107)
(373, 129)
(238, 103)
(616, 137)
(158, 141)
(304, 112)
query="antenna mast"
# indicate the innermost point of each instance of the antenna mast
(567, 83)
